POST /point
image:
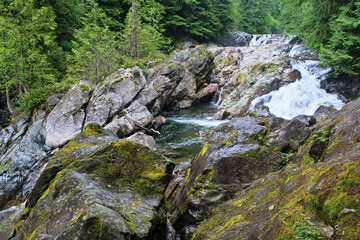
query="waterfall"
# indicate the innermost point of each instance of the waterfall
(263, 39)
(220, 95)
(301, 97)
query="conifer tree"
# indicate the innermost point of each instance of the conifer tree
(343, 49)
(134, 43)
(26, 44)
(95, 52)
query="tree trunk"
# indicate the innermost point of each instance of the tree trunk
(10, 104)
(134, 31)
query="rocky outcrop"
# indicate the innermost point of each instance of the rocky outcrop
(236, 154)
(24, 154)
(96, 186)
(125, 102)
(315, 193)
(66, 120)
(248, 72)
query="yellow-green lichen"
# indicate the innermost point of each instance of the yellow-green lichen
(92, 129)
(84, 87)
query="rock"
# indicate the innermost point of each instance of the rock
(66, 120)
(134, 117)
(158, 121)
(261, 111)
(346, 86)
(327, 232)
(143, 139)
(8, 219)
(236, 154)
(186, 44)
(235, 39)
(322, 112)
(206, 93)
(97, 186)
(291, 74)
(21, 164)
(250, 72)
(292, 134)
(282, 204)
(52, 101)
(114, 94)
(221, 115)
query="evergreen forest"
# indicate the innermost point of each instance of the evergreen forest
(46, 46)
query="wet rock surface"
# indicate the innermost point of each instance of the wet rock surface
(316, 191)
(236, 154)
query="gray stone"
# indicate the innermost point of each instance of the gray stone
(143, 139)
(327, 232)
(22, 163)
(135, 117)
(66, 120)
(114, 94)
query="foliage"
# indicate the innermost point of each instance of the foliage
(151, 39)
(199, 19)
(343, 48)
(26, 46)
(321, 135)
(256, 16)
(284, 160)
(116, 11)
(331, 26)
(304, 231)
(95, 52)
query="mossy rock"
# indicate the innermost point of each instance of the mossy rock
(302, 199)
(99, 187)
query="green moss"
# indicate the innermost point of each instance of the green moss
(84, 87)
(92, 129)
(79, 215)
(137, 169)
(203, 150)
(203, 182)
(34, 233)
(118, 80)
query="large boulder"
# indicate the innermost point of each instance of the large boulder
(317, 194)
(197, 64)
(236, 154)
(66, 120)
(250, 72)
(114, 94)
(97, 186)
(134, 117)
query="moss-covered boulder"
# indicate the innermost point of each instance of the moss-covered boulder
(317, 196)
(98, 187)
(236, 154)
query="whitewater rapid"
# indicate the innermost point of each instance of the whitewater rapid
(303, 96)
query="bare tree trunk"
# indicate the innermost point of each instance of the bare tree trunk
(134, 31)
(10, 104)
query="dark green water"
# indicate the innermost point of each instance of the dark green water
(179, 138)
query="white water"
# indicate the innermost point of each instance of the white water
(220, 96)
(302, 97)
(199, 122)
(263, 39)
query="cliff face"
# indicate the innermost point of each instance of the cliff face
(78, 164)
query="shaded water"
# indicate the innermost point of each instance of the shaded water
(179, 137)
